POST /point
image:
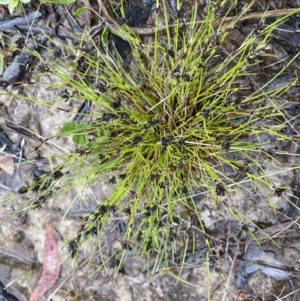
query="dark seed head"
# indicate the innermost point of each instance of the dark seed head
(126, 246)
(127, 211)
(181, 141)
(153, 122)
(23, 190)
(206, 112)
(42, 67)
(65, 95)
(112, 180)
(226, 145)
(136, 140)
(57, 175)
(112, 208)
(123, 115)
(180, 165)
(94, 231)
(139, 236)
(122, 176)
(279, 191)
(166, 141)
(108, 117)
(72, 248)
(20, 42)
(3, 84)
(153, 177)
(163, 184)
(102, 209)
(100, 88)
(171, 52)
(146, 213)
(133, 194)
(220, 190)
(57, 52)
(116, 104)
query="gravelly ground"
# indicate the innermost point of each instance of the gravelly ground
(22, 238)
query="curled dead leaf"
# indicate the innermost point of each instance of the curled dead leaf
(51, 267)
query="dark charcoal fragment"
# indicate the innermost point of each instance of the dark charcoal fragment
(16, 71)
(122, 46)
(9, 24)
(294, 110)
(137, 16)
(134, 17)
(5, 296)
(122, 226)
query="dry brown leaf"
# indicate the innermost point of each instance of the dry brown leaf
(51, 267)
